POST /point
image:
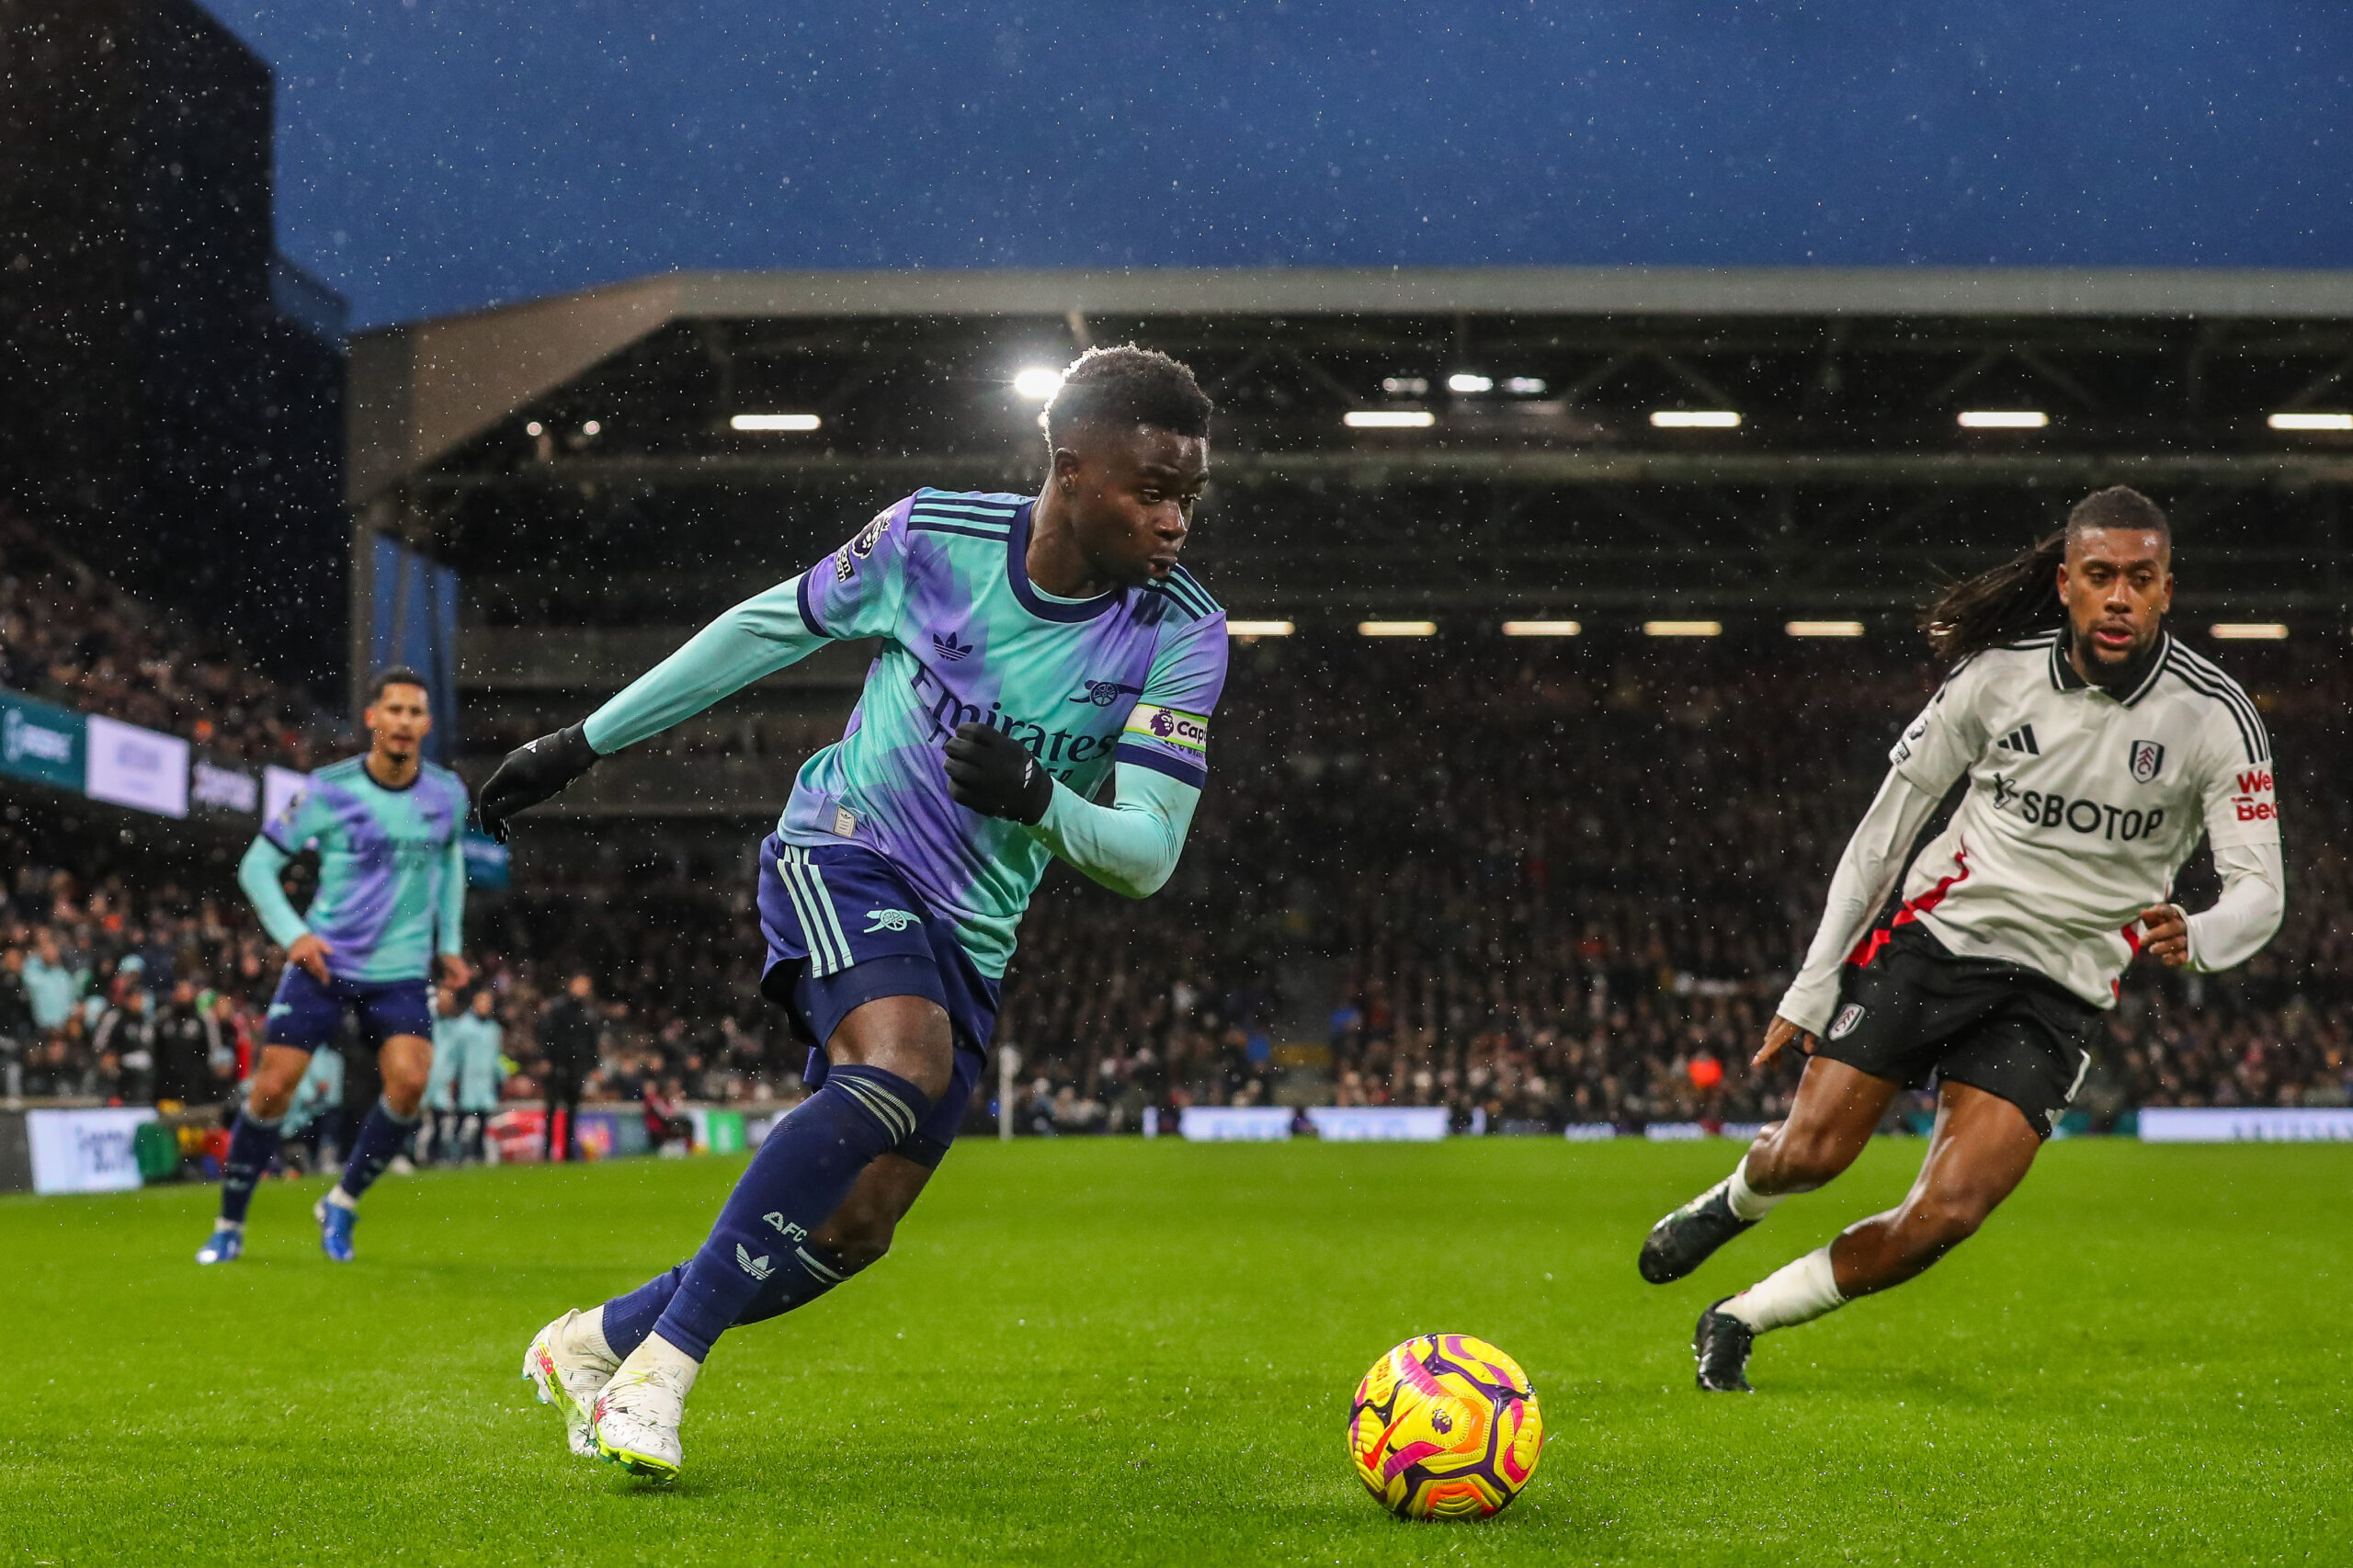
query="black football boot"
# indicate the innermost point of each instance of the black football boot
(1687, 1238)
(1721, 1345)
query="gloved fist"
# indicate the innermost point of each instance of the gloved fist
(992, 773)
(530, 774)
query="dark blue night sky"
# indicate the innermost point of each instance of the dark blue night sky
(441, 154)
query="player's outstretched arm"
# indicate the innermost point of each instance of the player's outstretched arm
(2236, 926)
(1935, 750)
(2242, 813)
(1865, 875)
(1130, 846)
(757, 638)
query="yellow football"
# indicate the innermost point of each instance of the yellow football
(1445, 1426)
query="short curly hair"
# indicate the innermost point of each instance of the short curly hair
(1127, 386)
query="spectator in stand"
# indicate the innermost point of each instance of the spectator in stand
(18, 1033)
(233, 1029)
(568, 1043)
(668, 1126)
(192, 1065)
(51, 1073)
(68, 634)
(52, 983)
(126, 1033)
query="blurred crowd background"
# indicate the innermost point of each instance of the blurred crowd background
(1540, 882)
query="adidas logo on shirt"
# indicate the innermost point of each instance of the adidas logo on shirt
(948, 648)
(2020, 740)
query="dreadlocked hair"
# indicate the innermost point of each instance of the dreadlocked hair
(2021, 595)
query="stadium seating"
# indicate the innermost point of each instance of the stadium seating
(1540, 883)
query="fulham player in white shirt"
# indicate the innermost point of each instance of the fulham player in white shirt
(2091, 751)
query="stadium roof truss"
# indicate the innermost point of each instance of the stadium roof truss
(575, 457)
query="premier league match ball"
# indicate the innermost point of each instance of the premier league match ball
(1445, 1426)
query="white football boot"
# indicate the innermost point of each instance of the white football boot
(569, 1364)
(635, 1419)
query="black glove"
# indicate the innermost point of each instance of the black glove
(530, 774)
(997, 776)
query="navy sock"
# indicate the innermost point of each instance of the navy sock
(381, 1136)
(804, 1169)
(810, 1270)
(252, 1142)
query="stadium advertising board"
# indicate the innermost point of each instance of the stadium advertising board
(214, 788)
(1385, 1123)
(279, 788)
(85, 1150)
(2250, 1124)
(144, 769)
(1235, 1124)
(41, 742)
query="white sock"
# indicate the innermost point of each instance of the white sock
(588, 1335)
(342, 1199)
(237, 1225)
(658, 1354)
(1794, 1293)
(1748, 1203)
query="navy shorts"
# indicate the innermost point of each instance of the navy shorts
(843, 929)
(305, 1014)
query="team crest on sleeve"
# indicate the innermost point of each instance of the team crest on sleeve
(1848, 1018)
(2148, 756)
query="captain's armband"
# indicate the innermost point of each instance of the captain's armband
(1169, 741)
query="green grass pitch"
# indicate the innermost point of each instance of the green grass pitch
(1092, 1352)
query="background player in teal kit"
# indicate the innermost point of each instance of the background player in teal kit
(462, 1092)
(389, 829)
(1033, 653)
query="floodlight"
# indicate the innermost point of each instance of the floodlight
(1038, 382)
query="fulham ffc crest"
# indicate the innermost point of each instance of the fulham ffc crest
(2147, 757)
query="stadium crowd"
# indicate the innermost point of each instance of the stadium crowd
(1542, 883)
(71, 636)
(122, 992)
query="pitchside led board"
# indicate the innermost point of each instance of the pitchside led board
(146, 770)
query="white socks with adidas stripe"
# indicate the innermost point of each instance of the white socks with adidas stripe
(1797, 1293)
(1748, 1203)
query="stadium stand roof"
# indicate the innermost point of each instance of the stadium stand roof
(421, 390)
(575, 458)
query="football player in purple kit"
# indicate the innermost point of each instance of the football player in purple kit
(1034, 652)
